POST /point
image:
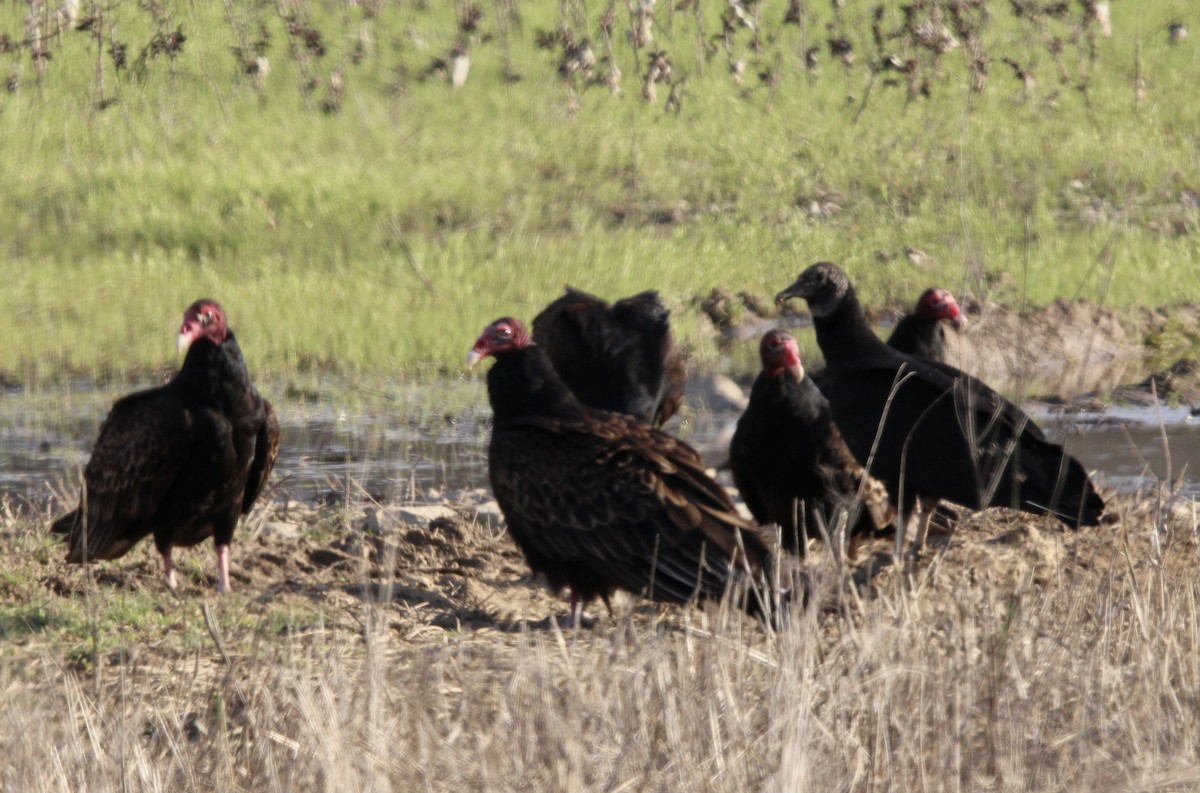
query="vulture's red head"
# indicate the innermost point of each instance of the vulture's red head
(780, 353)
(502, 336)
(204, 319)
(938, 304)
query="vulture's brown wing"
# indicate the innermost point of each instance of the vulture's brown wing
(847, 477)
(266, 446)
(620, 358)
(674, 385)
(626, 500)
(650, 349)
(142, 448)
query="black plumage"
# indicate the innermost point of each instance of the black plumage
(930, 431)
(789, 460)
(620, 358)
(923, 332)
(183, 461)
(600, 501)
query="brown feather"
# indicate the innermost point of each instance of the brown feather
(266, 447)
(620, 357)
(602, 501)
(789, 460)
(181, 462)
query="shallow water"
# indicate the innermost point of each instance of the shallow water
(328, 454)
(1132, 448)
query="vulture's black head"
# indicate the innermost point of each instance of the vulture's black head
(823, 285)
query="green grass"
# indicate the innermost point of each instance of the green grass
(45, 608)
(381, 238)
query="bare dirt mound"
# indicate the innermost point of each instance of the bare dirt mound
(1065, 348)
(451, 566)
(433, 568)
(427, 564)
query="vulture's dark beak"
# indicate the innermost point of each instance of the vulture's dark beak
(787, 295)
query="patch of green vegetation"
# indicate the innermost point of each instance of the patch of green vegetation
(123, 605)
(23, 620)
(357, 214)
(1178, 336)
(66, 623)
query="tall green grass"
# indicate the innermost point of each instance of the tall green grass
(381, 237)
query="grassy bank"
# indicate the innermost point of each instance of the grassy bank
(376, 226)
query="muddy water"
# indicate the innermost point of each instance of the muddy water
(1133, 448)
(327, 455)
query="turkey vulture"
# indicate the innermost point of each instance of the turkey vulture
(922, 333)
(600, 501)
(182, 461)
(789, 460)
(620, 358)
(930, 431)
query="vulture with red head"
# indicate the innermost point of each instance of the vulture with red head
(183, 461)
(618, 357)
(930, 431)
(600, 501)
(923, 332)
(789, 460)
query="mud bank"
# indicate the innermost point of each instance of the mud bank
(1064, 349)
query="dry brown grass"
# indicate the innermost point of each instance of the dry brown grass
(1014, 657)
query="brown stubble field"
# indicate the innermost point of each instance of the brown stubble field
(371, 653)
